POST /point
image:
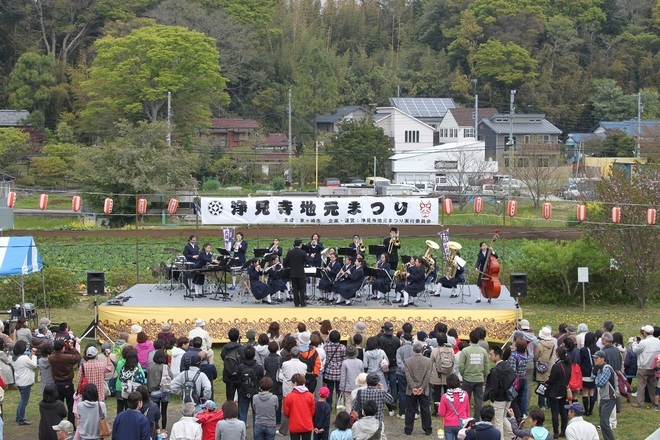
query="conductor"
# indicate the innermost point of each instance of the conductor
(295, 260)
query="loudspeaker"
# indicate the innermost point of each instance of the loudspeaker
(518, 285)
(95, 283)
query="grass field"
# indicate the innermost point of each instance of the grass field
(634, 424)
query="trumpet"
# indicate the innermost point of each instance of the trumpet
(394, 241)
(237, 246)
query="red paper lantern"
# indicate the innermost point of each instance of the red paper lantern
(478, 204)
(11, 199)
(547, 210)
(448, 206)
(581, 212)
(172, 206)
(141, 206)
(512, 207)
(43, 202)
(650, 216)
(616, 214)
(76, 203)
(107, 206)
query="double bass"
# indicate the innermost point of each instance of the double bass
(490, 280)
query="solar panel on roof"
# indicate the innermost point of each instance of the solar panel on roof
(424, 107)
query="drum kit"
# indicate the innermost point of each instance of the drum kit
(170, 275)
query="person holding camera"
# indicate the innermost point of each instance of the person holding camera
(64, 359)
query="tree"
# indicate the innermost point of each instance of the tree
(617, 144)
(30, 82)
(470, 169)
(538, 171)
(609, 101)
(304, 167)
(635, 245)
(56, 162)
(135, 73)
(355, 146)
(14, 145)
(508, 64)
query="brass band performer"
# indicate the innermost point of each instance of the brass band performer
(260, 290)
(205, 257)
(393, 244)
(383, 282)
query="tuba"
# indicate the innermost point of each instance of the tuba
(324, 255)
(431, 246)
(450, 268)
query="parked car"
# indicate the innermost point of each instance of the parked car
(331, 181)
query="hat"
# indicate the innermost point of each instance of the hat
(351, 351)
(135, 329)
(524, 324)
(373, 379)
(45, 321)
(388, 328)
(195, 361)
(421, 336)
(577, 408)
(571, 329)
(199, 322)
(91, 352)
(361, 380)
(250, 334)
(65, 426)
(360, 327)
(545, 334)
(166, 327)
(648, 329)
(599, 354)
(304, 338)
(208, 404)
(324, 392)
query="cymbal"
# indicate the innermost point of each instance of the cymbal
(172, 250)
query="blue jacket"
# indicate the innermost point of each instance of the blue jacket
(131, 425)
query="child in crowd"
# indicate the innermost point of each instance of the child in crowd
(343, 425)
(264, 405)
(322, 416)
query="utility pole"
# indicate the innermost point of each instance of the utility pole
(510, 143)
(290, 144)
(476, 110)
(640, 109)
(169, 119)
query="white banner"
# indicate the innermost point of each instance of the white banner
(319, 210)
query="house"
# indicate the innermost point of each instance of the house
(535, 140)
(428, 110)
(406, 132)
(229, 132)
(451, 166)
(273, 154)
(14, 118)
(458, 124)
(603, 166)
(6, 213)
(330, 123)
(648, 132)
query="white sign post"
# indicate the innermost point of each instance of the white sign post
(583, 277)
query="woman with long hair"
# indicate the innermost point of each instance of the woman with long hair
(155, 373)
(373, 358)
(25, 364)
(51, 412)
(588, 373)
(129, 372)
(89, 412)
(45, 371)
(560, 375)
(273, 332)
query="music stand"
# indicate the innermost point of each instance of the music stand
(405, 259)
(258, 253)
(348, 251)
(377, 250)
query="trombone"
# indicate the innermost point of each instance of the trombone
(394, 241)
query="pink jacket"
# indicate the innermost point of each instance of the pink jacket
(461, 402)
(143, 350)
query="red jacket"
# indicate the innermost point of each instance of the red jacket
(299, 409)
(209, 420)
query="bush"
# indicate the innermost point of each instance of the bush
(278, 184)
(211, 184)
(60, 286)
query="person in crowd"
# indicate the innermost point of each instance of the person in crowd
(613, 358)
(343, 425)
(187, 427)
(144, 346)
(159, 379)
(233, 351)
(273, 332)
(443, 352)
(360, 384)
(350, 369)
(295, 260)
(40, 338)
(578, 428)
(544, 355)
(289, 369)
(629, 362)
(367, 426)
(606, 381)
(24, 361)
(454, 406)
(51, 412)
(150, 410)
(536, 432)
(209, 370)
(22, 332)
(200, 330)
(473, 367)
(129, 376)
(582, 330)
(209, 419)
(321, 419)
(271, 366)
(63, 361)
(335, 355)
(418, 370)
(374, 391)
(249, 373)
(89, 411)
(5, 338)
(194, 349)
(389, 343)
(299, 407)
(588, 349)
(484, 430)
(201, 382)
(131, 424)
(403, 352)
(264, 405)
(311, 357)
(230, 428)
(45, 373)
(165, 333)
(63, 430)
(261, 348)
(6, 371)
(646, 350)
(498, 382)
(518, 362)
(560, 375)
(182, 345)
(132, 337)
(94, 370)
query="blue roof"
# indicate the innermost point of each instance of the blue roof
(630, 127)
(576, 138)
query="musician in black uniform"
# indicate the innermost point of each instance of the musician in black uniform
(457, 279)
(259, 289)
(190, 253)
(382, 284)
(392, 245)
(275, 281)
(348, 288)
(239, 248)
(275, 247)
(341, 277)
(413, 284)
(205, 257)
(314, 249)
(330, 273)
(480, 266)
(295, 260)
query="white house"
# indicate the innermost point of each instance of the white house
(407, 133)
(458, 124)
(452, 166)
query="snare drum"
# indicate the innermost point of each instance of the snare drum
(171, 272)
(180, 260)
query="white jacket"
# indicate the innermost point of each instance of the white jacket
(580, 429)
(646, 350)
(207, 342)
(186, 428)
(24, 367)
(289, 368)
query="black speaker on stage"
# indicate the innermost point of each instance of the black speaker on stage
(95, 283)
(518, 285)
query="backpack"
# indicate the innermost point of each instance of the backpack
(190, 393)
(310, 362)
(232, 361)
(248, 382)
(165, 385)
(426, 350)
(575, 382)
(116, 350)
(624, 387)
(445, 364)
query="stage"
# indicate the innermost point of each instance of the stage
(150, 305)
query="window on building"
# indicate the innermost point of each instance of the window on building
(412, 136)
(468, 132)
